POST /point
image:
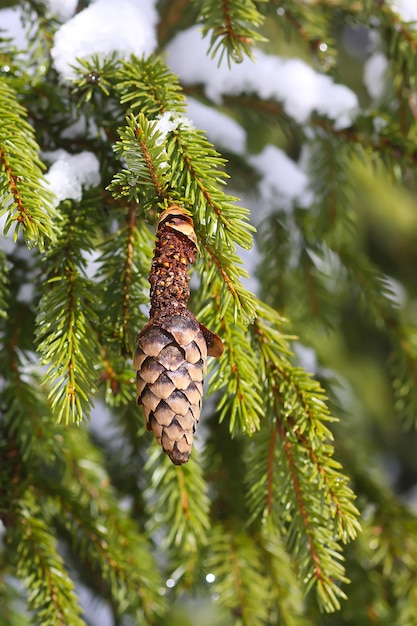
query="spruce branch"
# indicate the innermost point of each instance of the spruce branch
(26, 418)
(389, 527)
(102, 536)
(24, 198)
(173, 16)
(286, 590)
(179, 496)
(66, 322)
(236, 379)
(241, 588)
(196, 170)
(375, 293)
(40, 35)
(395, 147)
(378, 300)
(146, 177)
(149, 87)
(124, 264)
(218, 221)
(305, 456)
(51, 596)
(10, 601)
(95, 74)
(22, 402)
(230, 24)
(281, 504)
(193, 173)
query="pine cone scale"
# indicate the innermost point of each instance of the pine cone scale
(154, 340)
(180, 378)
(163, 387)
(192, 353)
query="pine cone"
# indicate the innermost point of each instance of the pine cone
(171, 359)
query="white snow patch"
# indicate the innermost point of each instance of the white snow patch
(125, 27)
(11, 27)
(170, 121)
(83, 127)
(407, 9)
(221, 129)
(62, 9)
(283, 181)
(374, 74)
(301, 89)
(69, 173)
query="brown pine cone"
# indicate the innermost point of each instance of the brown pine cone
(171, 360)
(171, 356)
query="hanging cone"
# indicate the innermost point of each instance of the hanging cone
(172, 349)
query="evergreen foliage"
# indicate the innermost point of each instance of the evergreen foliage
(286, 513)
(23, 197)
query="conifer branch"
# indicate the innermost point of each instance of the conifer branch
(128, 267)
(200, 178)
(22, 401)
(196, 181)
(285, 588)
(51, 594)
(402, 42)
(25, 413)
(181, 496)
(11, 600)
(40, 34)
(318, 552)
(377, 298)
(394, 554)
(141, 146)
(220, 223)
(107, 541)
(231, 24)
(300, 422)
(217, 219)
(341, 227)
(281, 505)
(124, 266)
(236, 374)
(110, 549)
(306, 436)
(23, 196)
(393, 147)
(241, 589)
(149, 87)
(320, 548)
(66, 334)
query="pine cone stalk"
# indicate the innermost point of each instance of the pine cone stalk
(172, 349)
